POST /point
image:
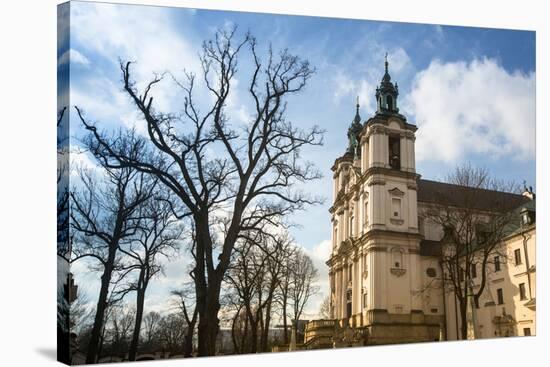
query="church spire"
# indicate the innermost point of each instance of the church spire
(387, 92)
(353, 132)
(357, 118)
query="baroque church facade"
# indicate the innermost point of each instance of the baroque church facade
(385, 255)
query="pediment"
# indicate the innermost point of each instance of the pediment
(396, 192)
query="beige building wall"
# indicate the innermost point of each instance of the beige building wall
(516, 314)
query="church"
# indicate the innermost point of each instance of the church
(387, 281)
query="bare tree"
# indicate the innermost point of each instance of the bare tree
(151, 322)
(474, 223)
(303, 276)
(186, 303)
(259, 164)
(172, 330)
(268, 273)
(62, 186)
(324, 309)
(119, 329)
(254, 277)
(243, 278)
(280, 249)
(63, 251)
(239, 329)
(157, 236)
(285, 284)
(104, 214)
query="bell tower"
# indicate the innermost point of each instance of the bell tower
(375, 266)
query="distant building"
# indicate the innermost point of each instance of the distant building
(385, 255)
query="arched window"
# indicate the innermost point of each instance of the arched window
(389, 101)
(394, 145)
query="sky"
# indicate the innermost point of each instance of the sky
(470, 91)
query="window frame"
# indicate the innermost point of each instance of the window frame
(500, 296)
(522, 291)
(399, 208)
(517, 256)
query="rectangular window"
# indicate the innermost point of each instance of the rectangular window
(473, 271)
(527, 331)
(497, 263)
(522, 294)
(500, 296)
(396, 207)
(517, 256)
(460, 275)
(365, 299)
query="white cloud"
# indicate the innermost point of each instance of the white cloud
(80, 159)
(347, 88)
(475, 107)
(145, 35)
(399, 61)
(149, 37)
(363, 82)
(74, 57)
(104, 101)
(320, 253)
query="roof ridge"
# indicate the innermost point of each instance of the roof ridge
(470, 187)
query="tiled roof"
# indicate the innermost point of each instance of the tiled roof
(461, 196)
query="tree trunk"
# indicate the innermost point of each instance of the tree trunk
(236, 348)
(254, 336)
(265, 334)
(463, 319)
(244, 337)
(208, 317)
(285, 325)
(132, 352)
(93, 345)
(188, 343)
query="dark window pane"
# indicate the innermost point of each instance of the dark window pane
(500, 296)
